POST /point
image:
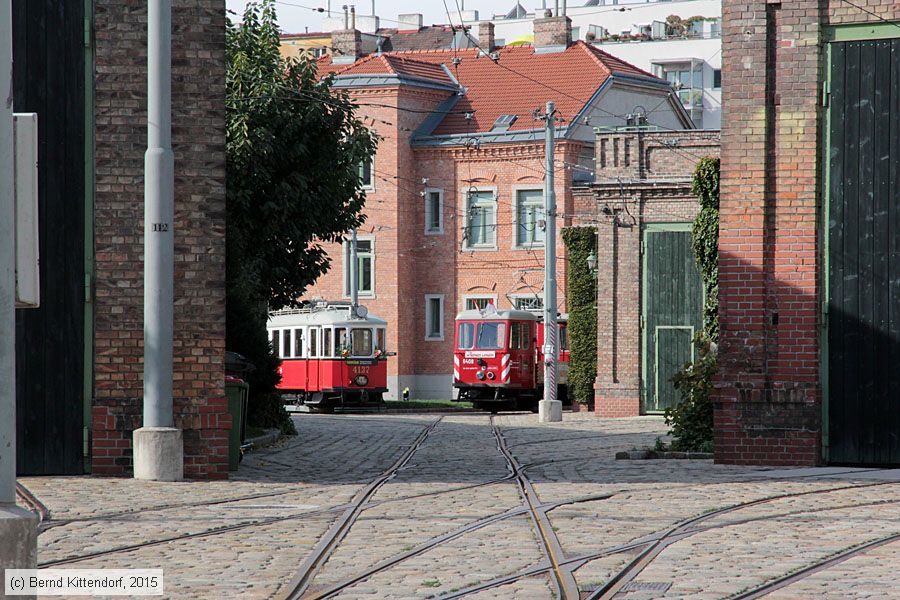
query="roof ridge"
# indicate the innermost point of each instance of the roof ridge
(600, 55)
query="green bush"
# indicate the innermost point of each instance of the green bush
(582, 304)
(692, 419)
(267, 411)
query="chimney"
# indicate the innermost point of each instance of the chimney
(552, 34)
(486, 36)
(410, 22)
(347, 42)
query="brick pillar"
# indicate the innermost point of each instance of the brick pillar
(618, 385)
(767, 399)
(198, 140)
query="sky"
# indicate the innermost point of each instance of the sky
(294, 16)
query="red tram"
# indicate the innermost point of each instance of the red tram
(331, 355)
(497, 358)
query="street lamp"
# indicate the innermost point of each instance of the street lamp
(592, 263)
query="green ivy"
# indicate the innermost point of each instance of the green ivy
(582, 303)
(692, 419)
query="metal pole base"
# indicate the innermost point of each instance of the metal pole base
(18, 530)
(158, 454)
(550, 411)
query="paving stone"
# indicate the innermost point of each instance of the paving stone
(458, 478)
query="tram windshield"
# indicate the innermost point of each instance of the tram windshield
(483, 336)
(361, 342)
(491, 336)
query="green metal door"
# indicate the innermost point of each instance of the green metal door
(863, 275)
(672, 311)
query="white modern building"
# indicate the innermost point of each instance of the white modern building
(686, 52)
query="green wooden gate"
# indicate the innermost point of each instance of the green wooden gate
(863, 220)
(672, 311)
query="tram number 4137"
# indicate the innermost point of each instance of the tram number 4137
(360, 370)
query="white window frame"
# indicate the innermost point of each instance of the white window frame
(514, 297)
(428, 315)
(427, 211)
(370, 186)
(490, 297)
(346, 262)
(468, 246)
(515, 217)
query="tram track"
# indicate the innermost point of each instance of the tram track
(684, 529)
(332, 538)
(647, 542)
(563, 578)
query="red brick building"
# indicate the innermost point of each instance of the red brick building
(649, 294)
(456, 187)
(808, 262)
(82, 67)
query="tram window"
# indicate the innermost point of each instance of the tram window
(298, 343)
(313, 349)
(515, 336)
(491, 336)
(465, 335)
(327, 350)
(380, 341)
(340, 340)
(285, 343)
(361, 342)
(273, 341)
(563, 339)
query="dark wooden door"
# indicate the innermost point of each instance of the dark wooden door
(673, 306)
(48, 78)
(864, 253)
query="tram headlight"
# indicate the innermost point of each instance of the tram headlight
(361, 380)
(490, 375)
(480, 375)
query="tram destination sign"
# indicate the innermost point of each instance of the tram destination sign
(361, 361)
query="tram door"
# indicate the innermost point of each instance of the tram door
(313, 352)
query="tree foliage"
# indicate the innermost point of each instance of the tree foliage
(692, 419)
(293, 150)
(582, 300)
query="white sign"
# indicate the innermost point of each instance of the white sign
(25, 140)
(480, 354)
(84, 582)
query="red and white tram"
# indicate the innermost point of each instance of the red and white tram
(497, 358)
(331, 355)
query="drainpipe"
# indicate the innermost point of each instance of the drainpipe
(7, 267)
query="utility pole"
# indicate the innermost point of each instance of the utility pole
(550, 408)
(354, 274)
(18, 527)
(158, 445)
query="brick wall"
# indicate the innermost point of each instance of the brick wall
(410, 264)
(768, 396)
(651, 186)
(198, 129)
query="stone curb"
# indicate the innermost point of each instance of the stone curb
(654, 454)
(267, 439)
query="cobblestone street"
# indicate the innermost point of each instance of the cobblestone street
(420, 506)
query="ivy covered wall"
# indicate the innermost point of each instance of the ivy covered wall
(582, 301)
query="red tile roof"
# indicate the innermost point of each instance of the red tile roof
(393, 64)
(519, 82)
